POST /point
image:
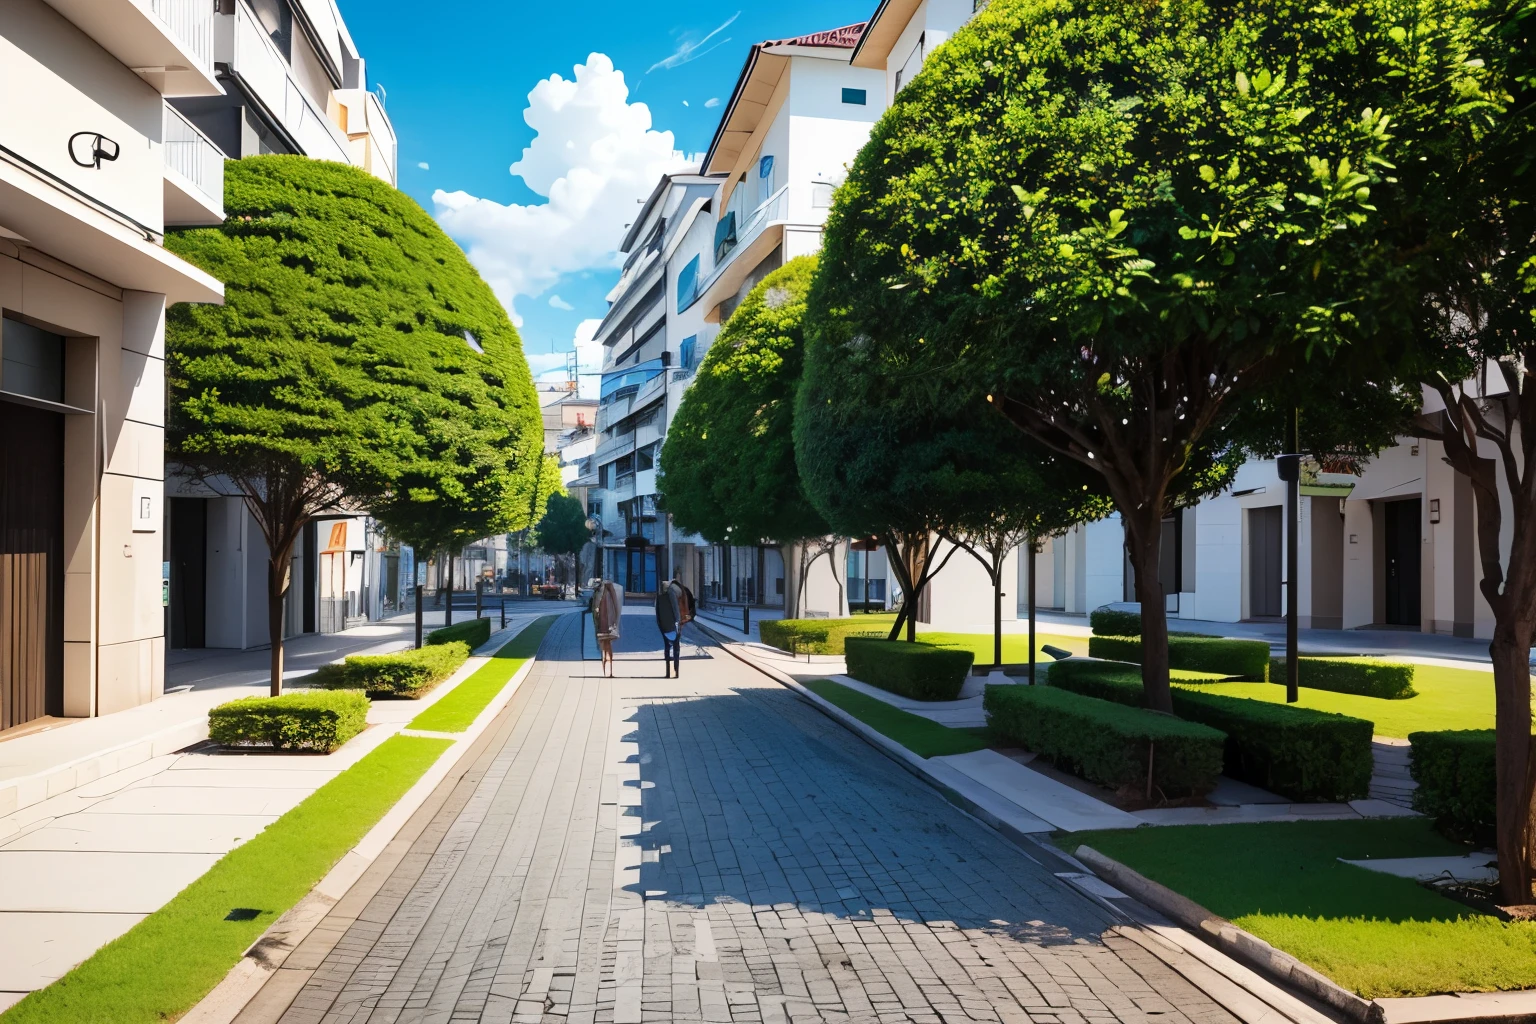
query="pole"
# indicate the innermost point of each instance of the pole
(1292, 559)
(1030, 577)
(503, 602)
(448, 605)
(418, 616)
(479, 590)
(746, 621)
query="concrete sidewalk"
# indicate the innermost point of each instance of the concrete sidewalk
(81, 867)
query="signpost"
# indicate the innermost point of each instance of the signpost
(1289, 466)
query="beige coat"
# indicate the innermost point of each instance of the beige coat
(607, 610)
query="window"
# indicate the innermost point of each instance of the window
(688, 284)
(858, 97)
(685, 351)
(645, 459)
(764, 178)
(725, 236)
(31, 361)
(821, 195)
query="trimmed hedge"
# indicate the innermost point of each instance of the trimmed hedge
(814, 636)
(320, 721)
(411, 673)
(1299, 753)
(1111, 622)
(1105, 742)
(1455, 772)
(1386, 680)
(1247, 659)
(912, 669)
(470, 632)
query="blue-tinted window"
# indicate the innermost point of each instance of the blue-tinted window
(685, 351)
(688, 284)
(856, 96)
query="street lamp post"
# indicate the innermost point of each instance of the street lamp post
(1289, 466)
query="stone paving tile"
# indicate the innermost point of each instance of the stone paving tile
(712, 849)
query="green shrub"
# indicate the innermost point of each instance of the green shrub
(319, 721)
(1244, 659)
(400, 674)
(1299, 753)
(471, 632)
(1111, 622)
(917, 670)
(1386, 680)
(1106, 742)
(1455, 773)
(815, 636)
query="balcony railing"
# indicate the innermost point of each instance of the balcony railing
(774, 208)
(190, 21)
(189, 153)
(263, 68)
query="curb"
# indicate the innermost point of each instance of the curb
(229, 998)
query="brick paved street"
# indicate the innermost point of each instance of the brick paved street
(713, 849)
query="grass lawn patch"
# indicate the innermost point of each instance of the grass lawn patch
(164, 964)
(1448, 698)
(923, 736)
(1375, 934)
(462, 705)
(1015, 645)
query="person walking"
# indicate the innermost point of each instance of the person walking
(669, 619)
(607, 610)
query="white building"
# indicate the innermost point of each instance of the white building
(284, 77)
(91, 172)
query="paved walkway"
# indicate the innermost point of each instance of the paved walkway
(709, 849)
(81, 867)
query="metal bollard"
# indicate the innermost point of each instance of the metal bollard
(503, 611)
(479, 590)
(746, 620)
(418, 616)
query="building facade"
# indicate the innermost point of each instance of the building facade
(92, 171)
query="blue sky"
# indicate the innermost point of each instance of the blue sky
(458, 78)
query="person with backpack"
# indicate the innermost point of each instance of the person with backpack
(672, 605)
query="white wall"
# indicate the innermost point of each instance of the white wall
(960, 595)
(824, 133)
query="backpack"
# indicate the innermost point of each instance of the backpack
(685, 605)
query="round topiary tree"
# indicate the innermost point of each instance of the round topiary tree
(728, 464)
(1123, 222)
(359, 362)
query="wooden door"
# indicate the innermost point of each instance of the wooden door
(31, 564)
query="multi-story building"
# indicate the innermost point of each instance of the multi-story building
(284, 76)
(797, 115)
(91, 173)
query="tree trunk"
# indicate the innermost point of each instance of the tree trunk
(1030, 583)
(901, 618)
(277, 589)
(1143, 543)
(1513, 764)
(915, 574)
(997, 615)
(448, 608)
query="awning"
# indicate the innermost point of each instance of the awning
(630, 376)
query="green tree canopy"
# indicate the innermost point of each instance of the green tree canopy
(359, 361)
(728, 464)
(563, 530)
(1123, 222)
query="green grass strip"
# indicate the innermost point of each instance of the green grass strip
(163, 965)
(923, 736)
(462, 705)
(1373, 933)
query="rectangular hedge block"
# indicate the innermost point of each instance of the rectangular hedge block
(472, 632)
(815, 636)
(1298, 753)
(1455, 772)
(917, 670)
(1386, 680)
(401, 674)
(1105, 742)
(1244, 659)
(1110, 622)
(319, 721)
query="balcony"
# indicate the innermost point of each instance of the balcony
(255, 61)
(194, 174)
(168, 43)
(756, 237)
(370, 134)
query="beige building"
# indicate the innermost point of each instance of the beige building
(87, 178)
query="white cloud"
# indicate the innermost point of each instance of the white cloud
(593, 155)
(424, 165)
(685, 103)
(689, 48)
(712, 102)
(559, 303)
(542, 363)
